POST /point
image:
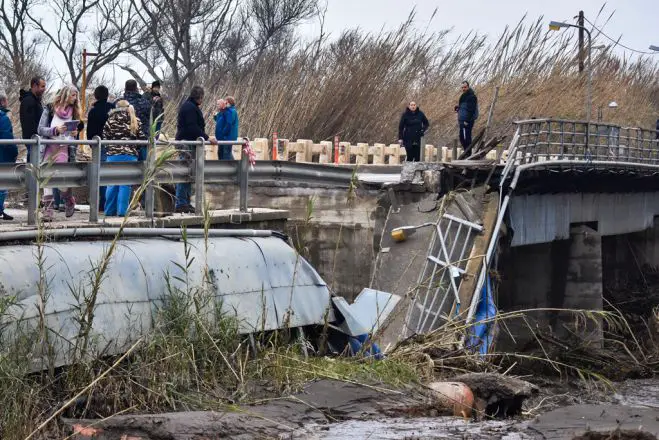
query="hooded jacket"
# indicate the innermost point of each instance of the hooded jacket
(468, 106)
(229, 131)
(30, 113)
(117, 128)
(98, 116)
(8, 153)
(412, 126)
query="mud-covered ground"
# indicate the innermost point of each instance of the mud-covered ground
(338, 410)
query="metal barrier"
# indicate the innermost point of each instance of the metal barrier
(195, 170)
(555, 139)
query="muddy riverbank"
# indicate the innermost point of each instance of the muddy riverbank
(328, 409)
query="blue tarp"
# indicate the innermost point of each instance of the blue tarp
(482, 333)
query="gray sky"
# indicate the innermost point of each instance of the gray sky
(637, 21)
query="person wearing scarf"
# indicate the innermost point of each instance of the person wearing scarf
(64, 108)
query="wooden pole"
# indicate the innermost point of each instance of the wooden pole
(581, 42)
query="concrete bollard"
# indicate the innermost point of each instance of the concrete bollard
(377, 151)
(392, 154)
(260, 147)
(306, 151)
(455, 396)
(362, 154)
(326, 149)
(344, 152)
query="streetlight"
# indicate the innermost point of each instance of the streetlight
(558, 25)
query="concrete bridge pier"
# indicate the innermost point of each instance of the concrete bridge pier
(563, 274)
(583, 286)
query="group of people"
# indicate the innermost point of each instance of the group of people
(128, 118)
(414, 124)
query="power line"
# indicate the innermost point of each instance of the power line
(617, 42)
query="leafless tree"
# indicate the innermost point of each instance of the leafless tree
(181, 35)
(18, 47)
(273, 20)
(114, 32)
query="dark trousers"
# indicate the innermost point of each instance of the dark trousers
(465, 133)
(413, 150)
(224, 152)
(183, 190)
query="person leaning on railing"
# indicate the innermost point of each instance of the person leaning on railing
(124, 125)
(8, 153)
(58, 121)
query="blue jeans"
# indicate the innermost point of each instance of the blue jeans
(3, 195)
(117, 197)
(183, 190)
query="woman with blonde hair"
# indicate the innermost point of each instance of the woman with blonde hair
(122, 124)
(60, 119)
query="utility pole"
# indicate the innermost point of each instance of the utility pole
(581, 41)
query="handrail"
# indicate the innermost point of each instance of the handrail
(196, 170)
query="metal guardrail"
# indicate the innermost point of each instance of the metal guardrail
(195, 170)
(556, 139)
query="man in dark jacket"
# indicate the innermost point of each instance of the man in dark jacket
(8, 153)
(98, 116)
(157, 103)
(31, 108)
(190, 127)
(142, 109)
(467, 110)
(411, 128)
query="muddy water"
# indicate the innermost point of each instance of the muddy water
(642, 394)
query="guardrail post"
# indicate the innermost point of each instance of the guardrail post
(244, 179)
(33, 172)
(149, 191)
(94, 180)
(199, 176)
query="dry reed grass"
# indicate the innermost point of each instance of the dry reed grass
(357, 86)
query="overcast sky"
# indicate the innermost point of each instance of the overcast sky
(635, 21)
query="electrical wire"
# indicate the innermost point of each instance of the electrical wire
(617, 42)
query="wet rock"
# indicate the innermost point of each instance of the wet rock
(496, 395)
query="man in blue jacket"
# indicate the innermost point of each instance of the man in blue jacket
(8, 153)
(467, 110)
(190, 127)
(223, 151)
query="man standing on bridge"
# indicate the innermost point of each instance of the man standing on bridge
(31, 108)
(8, 152)
(467, 110)
(190, 127)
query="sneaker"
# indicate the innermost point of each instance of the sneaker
(6, 216)
(186, 209)
(70, 206)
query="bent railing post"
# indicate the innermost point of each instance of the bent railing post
(32, 179)
(244, 178)
(94, 180)
(149, 192)
(200, 156)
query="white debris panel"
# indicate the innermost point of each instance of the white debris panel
(262, 281)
